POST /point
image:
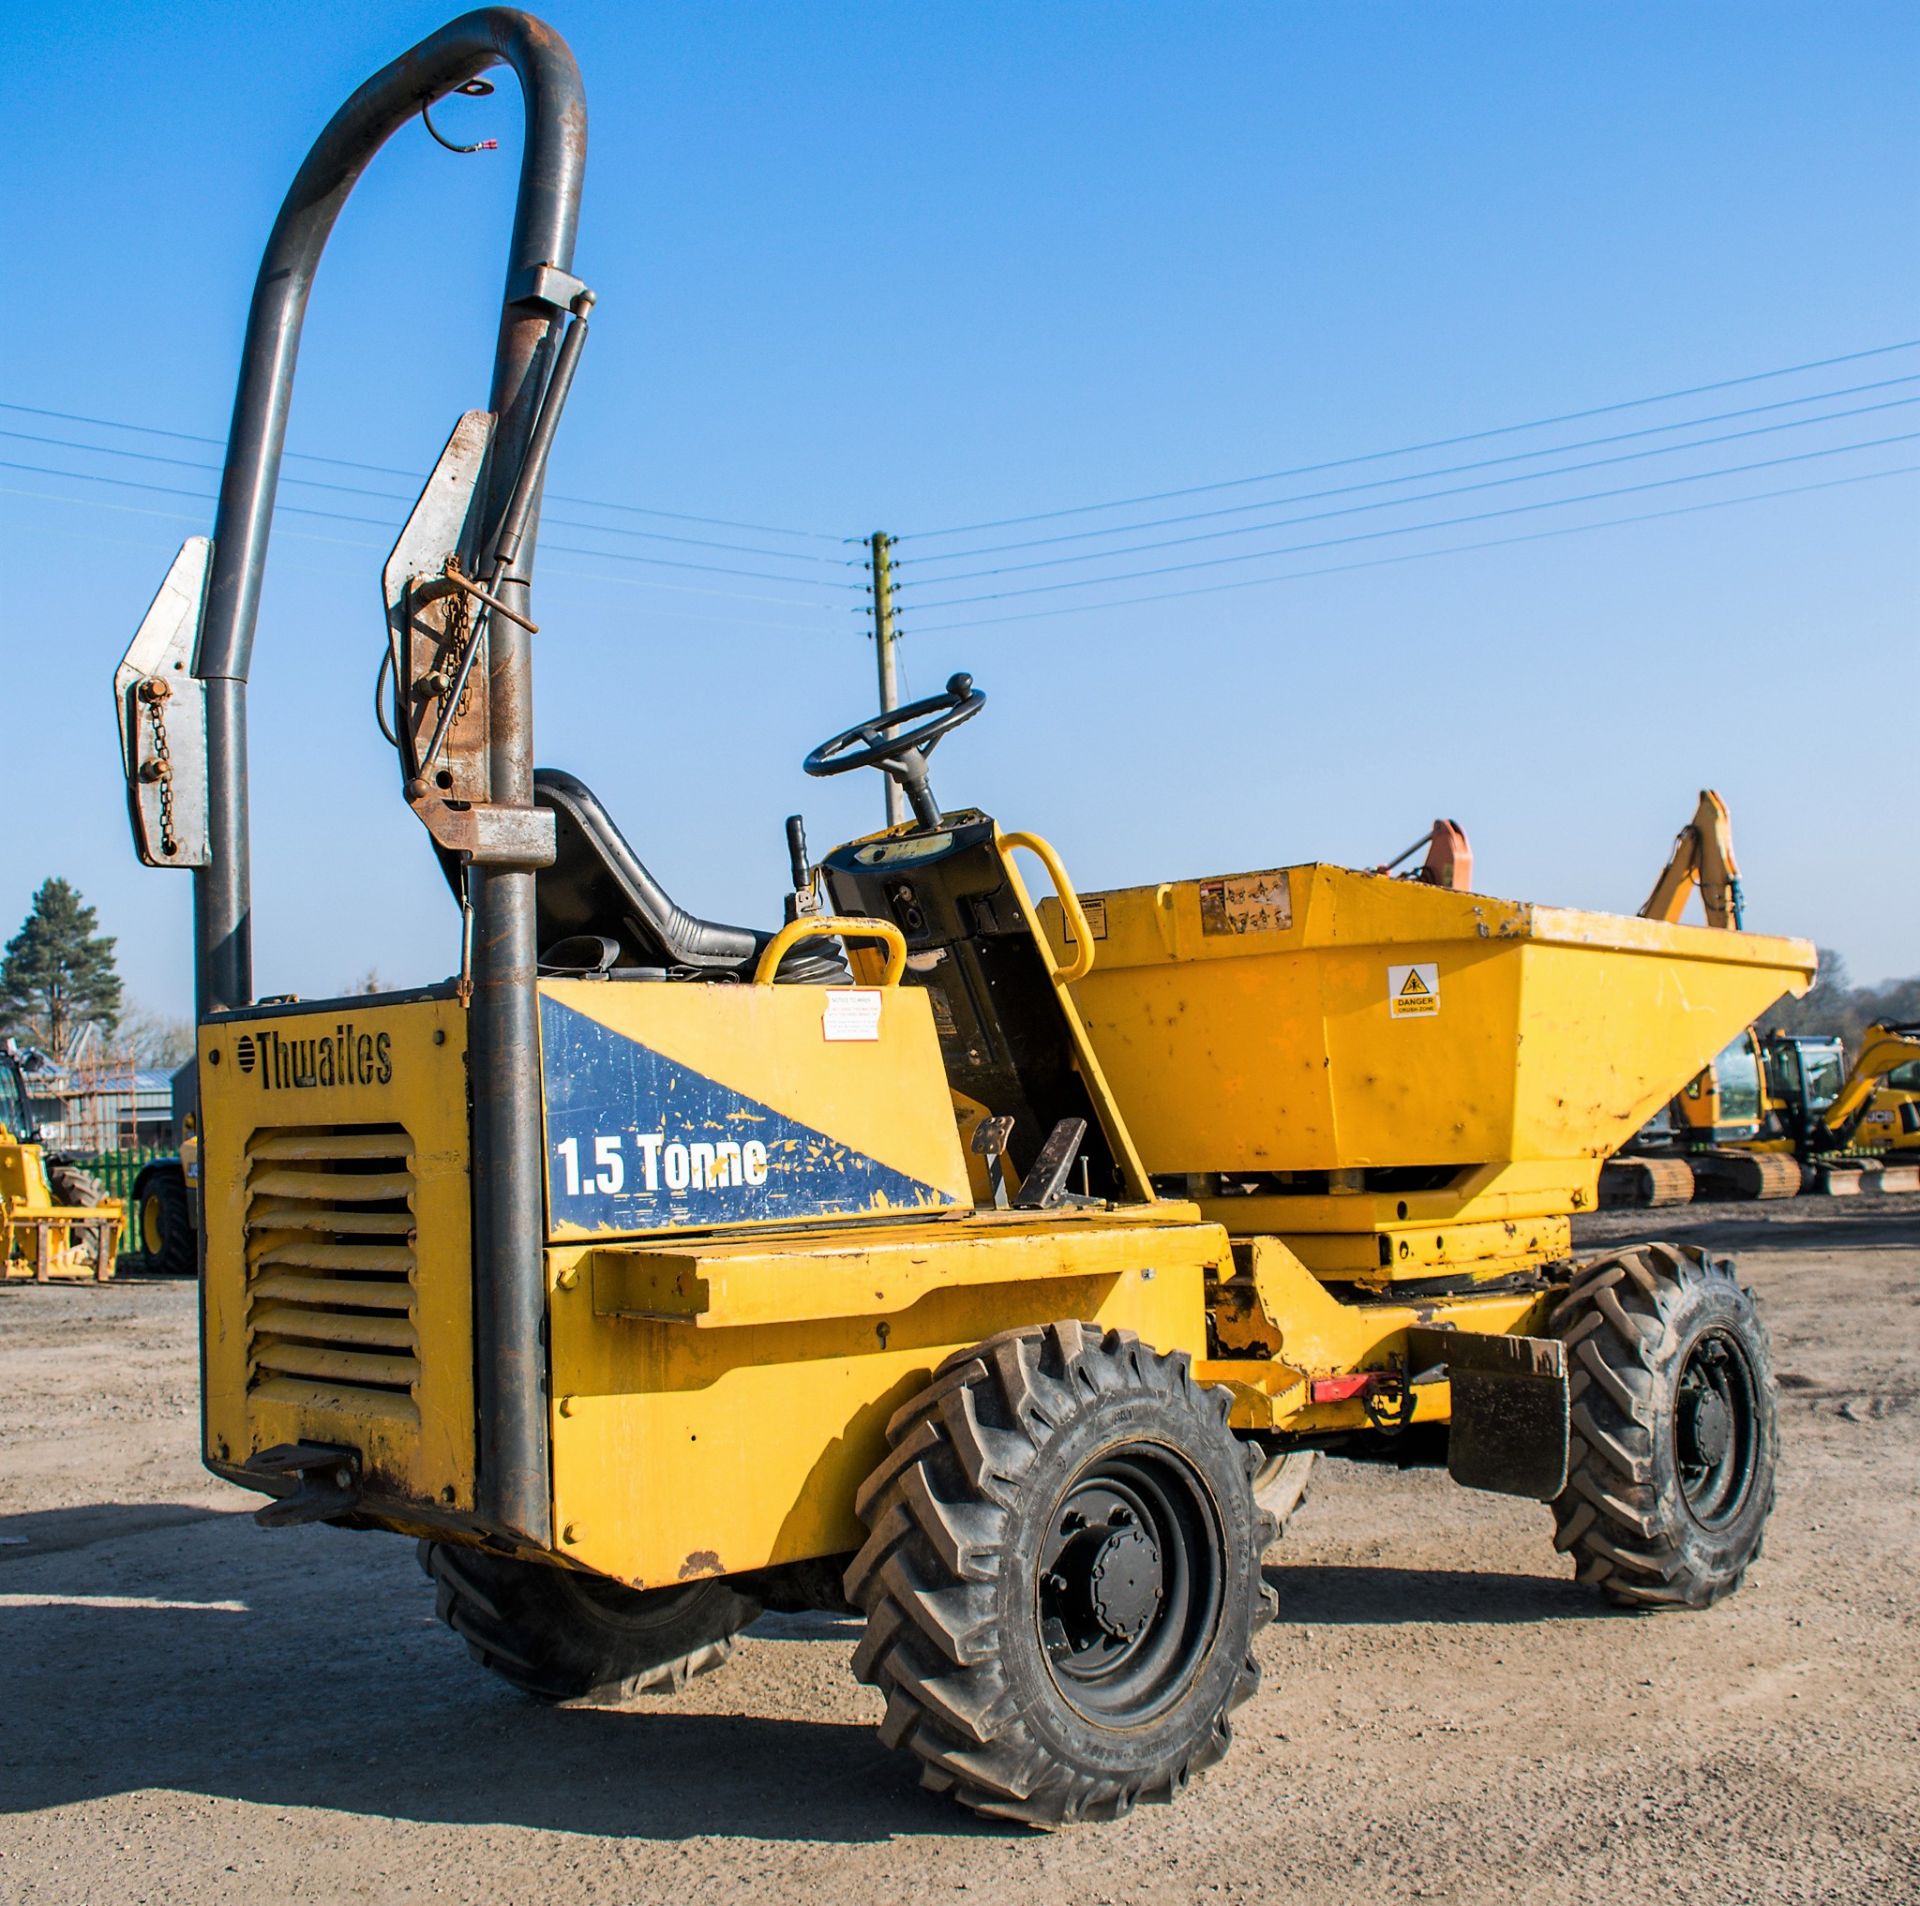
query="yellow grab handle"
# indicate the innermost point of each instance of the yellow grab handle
(813, 925)
(1081, 934)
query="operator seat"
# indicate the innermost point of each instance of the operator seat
(599, 912)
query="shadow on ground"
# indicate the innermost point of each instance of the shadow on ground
(1394, 1597)
(306, 1669)
(49, 1531)
(1793, 1224)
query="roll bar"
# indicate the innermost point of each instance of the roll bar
(509, 1222)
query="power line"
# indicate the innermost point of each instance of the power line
(1414, 529)
(1412, 476)
(1425, 496)
(376, 522)
(342, 542)
(1419, 555)
(1414, 449)
(389, 496)
(415, 477)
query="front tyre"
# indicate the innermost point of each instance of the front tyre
(1670, 1474)
(1062, 1582)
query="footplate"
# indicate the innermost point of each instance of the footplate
(1510, 1426)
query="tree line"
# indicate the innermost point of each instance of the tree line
(58, 976)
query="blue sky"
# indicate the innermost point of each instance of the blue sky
(914, 268)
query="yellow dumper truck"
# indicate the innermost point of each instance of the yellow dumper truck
(959, 1261)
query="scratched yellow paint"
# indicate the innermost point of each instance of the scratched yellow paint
(885, 1098)
(680, 1450)
(418, 1439)
(1265, 1038)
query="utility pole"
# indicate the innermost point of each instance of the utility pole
(888, 661)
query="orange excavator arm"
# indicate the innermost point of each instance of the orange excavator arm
(1702, 857)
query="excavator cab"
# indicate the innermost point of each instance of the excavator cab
(1805, 1073)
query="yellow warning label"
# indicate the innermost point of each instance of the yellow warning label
(1094, 906)
(1413, 992)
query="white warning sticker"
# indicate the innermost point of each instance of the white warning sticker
(1413, 992)
(851, 1013)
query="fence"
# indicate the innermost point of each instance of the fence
(117, 1170)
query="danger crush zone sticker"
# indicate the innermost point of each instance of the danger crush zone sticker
(1413, 992)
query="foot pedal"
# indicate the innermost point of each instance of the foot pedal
(1045, 1187)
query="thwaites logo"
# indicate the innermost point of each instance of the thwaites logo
(345, 1056)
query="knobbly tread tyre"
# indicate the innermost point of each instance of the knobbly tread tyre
(1628, 1321)
(562, 1636)
(74, 1185)
(977, 1463)
(178, 1255)
(1281, 1485)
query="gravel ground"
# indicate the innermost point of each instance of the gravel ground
(194, 1709)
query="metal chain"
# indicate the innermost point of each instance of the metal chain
(459, 634)
(160, 769)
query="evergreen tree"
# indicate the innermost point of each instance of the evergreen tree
(57, 973)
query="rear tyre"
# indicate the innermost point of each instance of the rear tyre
(560, 1635)
(1062, 1582)
(1281, 1485)
(164, 1215)
(1670, 1474)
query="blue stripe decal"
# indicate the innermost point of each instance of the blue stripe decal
(638, 1142)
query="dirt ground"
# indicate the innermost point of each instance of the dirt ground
(194, 1709)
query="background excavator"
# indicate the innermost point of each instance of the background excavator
(1770, 1104)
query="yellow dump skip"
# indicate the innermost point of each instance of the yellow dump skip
(1320, 1020)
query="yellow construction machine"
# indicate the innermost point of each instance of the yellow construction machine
(1890, 1123)
(1768, 1105)
(1824, 1107)
(940, 1256)
(56, 1220)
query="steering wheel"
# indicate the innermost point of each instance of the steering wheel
(959, 701)
(903, 755)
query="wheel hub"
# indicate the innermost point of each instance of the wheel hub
(1706, 1428)
(1129, 1583)
(1124, 1582)
(1715, 1437)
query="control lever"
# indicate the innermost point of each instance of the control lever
(805, 897)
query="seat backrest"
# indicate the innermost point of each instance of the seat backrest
(599, 885)
(1003, 1032)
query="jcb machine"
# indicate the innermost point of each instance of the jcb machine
(652, 1270)
(1888, 1124)
(165, 1206)
(56, 1220)
(1824, 1105)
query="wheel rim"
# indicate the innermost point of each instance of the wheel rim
(1716, 1428)
(152, 1226)
(1130, 1584)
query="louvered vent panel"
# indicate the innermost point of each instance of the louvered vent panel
(330, 1268)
